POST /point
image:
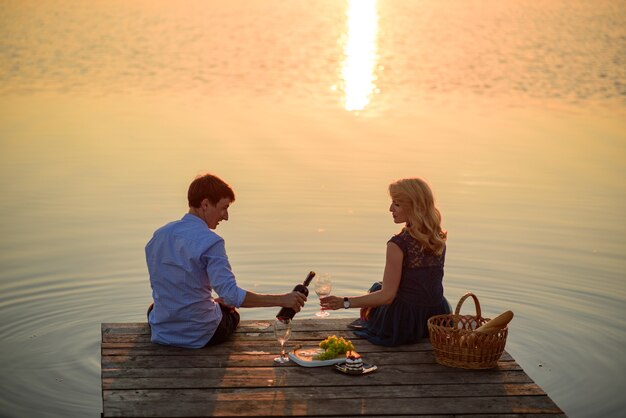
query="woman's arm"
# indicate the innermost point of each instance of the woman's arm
(384, 296)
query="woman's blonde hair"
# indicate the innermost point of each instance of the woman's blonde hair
(423, 218)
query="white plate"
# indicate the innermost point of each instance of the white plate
(304, 357)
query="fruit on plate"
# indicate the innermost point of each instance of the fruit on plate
(334, 347)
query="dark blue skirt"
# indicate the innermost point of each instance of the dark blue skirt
(400, 322)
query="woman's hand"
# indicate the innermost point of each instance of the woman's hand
(331, 303)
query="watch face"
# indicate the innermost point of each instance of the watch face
(346, 303)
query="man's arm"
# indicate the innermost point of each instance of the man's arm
(224, 283)
(294, 300)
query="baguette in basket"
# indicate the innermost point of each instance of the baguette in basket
(498, 322)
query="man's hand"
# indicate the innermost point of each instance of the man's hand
(294, 300)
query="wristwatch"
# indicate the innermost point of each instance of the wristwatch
(346, 303)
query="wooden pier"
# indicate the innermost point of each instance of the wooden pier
(239, 378)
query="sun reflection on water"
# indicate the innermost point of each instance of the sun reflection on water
(358, 72)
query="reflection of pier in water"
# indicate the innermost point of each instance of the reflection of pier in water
(238, 378)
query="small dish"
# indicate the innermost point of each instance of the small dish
(367, 368)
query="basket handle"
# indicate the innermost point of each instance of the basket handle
(457, 311)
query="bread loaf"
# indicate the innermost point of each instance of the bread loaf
(498, 322)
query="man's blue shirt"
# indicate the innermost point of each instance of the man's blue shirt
(186, 261)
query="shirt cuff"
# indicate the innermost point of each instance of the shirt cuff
(241, 295)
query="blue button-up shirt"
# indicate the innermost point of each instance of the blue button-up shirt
(186, 261)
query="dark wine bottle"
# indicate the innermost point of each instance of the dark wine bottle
(289, 313)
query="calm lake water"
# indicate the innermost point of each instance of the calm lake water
(513, 110)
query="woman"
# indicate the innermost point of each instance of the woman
(412, 289)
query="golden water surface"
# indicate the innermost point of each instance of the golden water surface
(513, 111)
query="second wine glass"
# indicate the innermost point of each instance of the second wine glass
(282, 332)
(322, 287)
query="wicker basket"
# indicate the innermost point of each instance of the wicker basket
(456, 344)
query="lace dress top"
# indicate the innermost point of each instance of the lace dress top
(419, 296)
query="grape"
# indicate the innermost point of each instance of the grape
(334, 346)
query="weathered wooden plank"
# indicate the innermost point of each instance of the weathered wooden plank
(325, 392)
(272, 348)
(245, 343)
(279, 406)
(465, 416)
(423, 345)
(546, 415)
(423, 356)
(317, 335)
(301, 377)
(362, 346)
(307, 324)
(421, 351)
(264, 359)
(202, 370)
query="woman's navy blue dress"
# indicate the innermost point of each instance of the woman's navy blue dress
(420, 296)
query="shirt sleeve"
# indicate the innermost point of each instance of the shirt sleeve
(221, 276)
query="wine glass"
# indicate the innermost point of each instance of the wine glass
(282, 332)
(323, 286)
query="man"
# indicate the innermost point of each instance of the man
(187, 261)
